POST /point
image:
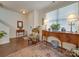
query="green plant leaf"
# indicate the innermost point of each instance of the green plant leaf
(55, 26)
(2, 33)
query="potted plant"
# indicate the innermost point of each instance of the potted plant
(2, 33)
(55, 26)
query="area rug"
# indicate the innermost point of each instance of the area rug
(38, 50)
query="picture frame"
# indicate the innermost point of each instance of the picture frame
(20, 24)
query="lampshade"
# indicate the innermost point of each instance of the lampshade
(45, 22)
(72, 17)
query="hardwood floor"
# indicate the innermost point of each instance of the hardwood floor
(13, 46)
(17, 44)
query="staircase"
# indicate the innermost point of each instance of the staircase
(4, 27)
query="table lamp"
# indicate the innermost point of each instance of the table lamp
(71, 19)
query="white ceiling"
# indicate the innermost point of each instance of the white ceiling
(28, 5)
(56, 5)
(33, 5)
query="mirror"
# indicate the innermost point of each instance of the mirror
(20, 24)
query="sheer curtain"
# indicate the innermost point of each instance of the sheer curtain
(60, 15)
(63, 16)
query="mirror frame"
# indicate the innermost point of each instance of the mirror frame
(20, 24)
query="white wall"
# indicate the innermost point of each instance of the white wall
(11, 18)
(33, 20)
(30, 22)
(4, 39)
(36, 19)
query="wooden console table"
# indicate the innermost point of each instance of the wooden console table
(63, 37)
(20, 31)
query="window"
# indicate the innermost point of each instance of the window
(51, 17)
(61, 16)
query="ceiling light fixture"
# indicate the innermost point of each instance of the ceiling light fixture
(23, 11)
